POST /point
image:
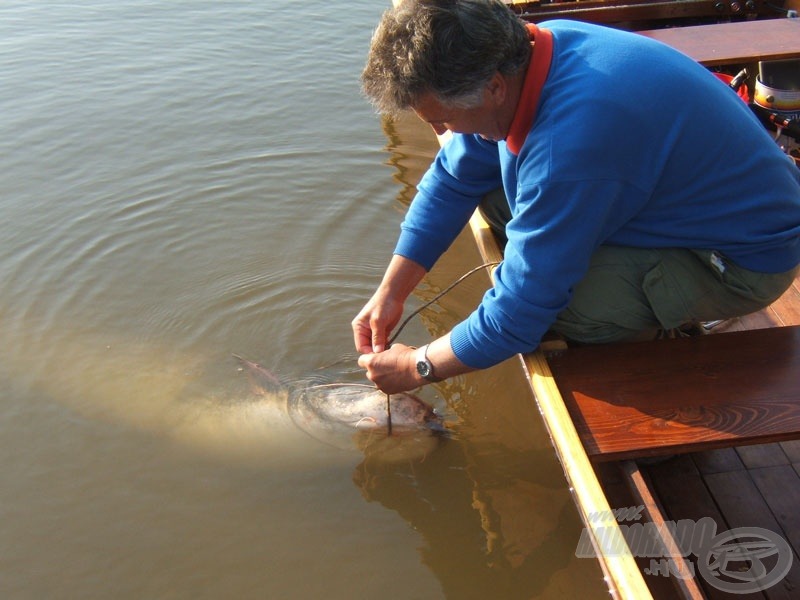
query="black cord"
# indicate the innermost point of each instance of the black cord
(439, 295)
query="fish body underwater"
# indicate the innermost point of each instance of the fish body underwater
(329, 412)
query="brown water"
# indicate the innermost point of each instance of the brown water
(187, 180)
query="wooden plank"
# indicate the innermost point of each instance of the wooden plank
(630, 12)
(780, 487)
(762, 455)
(787, 308)
(734, 43)
(743, 506)
(683, 395)
(623, 576)
(684, 495)
(792, 450)
(718, 461)
(682, 571)
(762, 319)
(617, 489)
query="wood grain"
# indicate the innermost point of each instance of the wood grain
(668, 396)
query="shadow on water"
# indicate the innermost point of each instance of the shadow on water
(491, 503)
(461, 512)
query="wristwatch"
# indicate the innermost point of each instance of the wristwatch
(424, 366)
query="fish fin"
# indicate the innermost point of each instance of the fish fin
(261, 378)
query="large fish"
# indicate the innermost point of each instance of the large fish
(329, 411)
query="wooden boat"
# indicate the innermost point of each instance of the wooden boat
(733, 411)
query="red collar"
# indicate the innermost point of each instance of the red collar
(542, 40)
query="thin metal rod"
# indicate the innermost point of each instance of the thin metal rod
(388, 415)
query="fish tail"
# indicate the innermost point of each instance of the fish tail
(259, 376)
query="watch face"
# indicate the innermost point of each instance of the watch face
(424, 368)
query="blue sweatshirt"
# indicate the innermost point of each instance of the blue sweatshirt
(631, 143)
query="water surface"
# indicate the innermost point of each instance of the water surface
(182, 181)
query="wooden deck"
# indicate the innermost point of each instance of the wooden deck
(679, 395)
(743, 486)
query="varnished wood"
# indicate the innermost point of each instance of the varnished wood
(683, 395)
(629, 13)
(762, 478)
(622, 573)
(641, 487)
(734, 43)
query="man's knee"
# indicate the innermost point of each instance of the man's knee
(631, 293)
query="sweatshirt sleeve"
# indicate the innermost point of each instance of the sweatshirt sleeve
(465, 169)
(555, 230)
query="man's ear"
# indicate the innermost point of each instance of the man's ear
(497, 88)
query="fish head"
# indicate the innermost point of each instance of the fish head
(408, 410)
(364, 407)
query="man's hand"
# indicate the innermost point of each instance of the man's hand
(372, 326)
(393, 370)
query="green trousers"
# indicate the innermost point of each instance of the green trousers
(632, 293)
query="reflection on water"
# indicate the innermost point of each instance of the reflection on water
(183, 182)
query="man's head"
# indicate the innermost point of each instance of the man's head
(447, 51)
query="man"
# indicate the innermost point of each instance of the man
(642, 192)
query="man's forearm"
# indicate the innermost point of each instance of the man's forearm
(401, 278)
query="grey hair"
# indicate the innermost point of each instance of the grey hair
(449, 48)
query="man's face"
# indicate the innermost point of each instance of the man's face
(481, 120)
